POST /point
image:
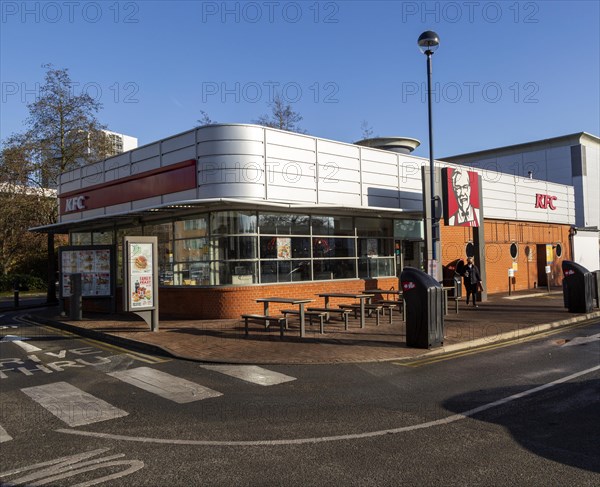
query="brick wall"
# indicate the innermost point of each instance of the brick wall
(499, 235)
(233, 301)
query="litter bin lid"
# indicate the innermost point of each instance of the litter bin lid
(412, 278)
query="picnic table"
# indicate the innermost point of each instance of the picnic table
(293, 301)
(362, 297)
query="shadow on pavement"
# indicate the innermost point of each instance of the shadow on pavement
(559, 423)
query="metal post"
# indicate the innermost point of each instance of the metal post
(434, 222)
(16, 293)
(75, 303)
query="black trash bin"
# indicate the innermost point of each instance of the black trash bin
(424, 301)
(597, 287)
(578, 287)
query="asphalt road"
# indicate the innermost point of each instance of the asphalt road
(78, 412)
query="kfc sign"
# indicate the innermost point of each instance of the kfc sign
(545, 201)
(76, 203)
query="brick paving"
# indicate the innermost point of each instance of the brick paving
(223, 341)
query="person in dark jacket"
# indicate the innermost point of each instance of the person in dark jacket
(472, 280)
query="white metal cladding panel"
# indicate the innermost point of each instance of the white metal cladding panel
(285, 154)
(231, 132)
(380, 179)
(234, 169)
(145, 165)
(410, 174)
(411, 200)
(231, 147)
(69, 176)
(92, 174)
(179, 155)
(146, 202)
(232, 190)
(337, 149)
(179, 142)
(70, 186)
(152, 150)
(120, 208)
(333, 173)
(387, 170)
(339, 199)
(386, 198)
(286, 139)
(189, 194)
(292, 193)
(292, 173)
(384, 157)
(339, 161)
(117, 167)
(69, 217)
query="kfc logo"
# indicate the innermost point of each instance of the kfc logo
(75, 204)
(545, 201)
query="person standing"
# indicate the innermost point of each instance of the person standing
(472, 280)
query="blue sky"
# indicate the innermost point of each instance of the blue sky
(506, 72)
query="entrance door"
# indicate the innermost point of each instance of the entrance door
(541, 265)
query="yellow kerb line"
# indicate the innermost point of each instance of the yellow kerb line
(484, 348)
(108, 347)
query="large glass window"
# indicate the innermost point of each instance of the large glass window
(248, 247)
(283, 224)
(332, 225)
(164, 232)
(196, 227)
(232, 222)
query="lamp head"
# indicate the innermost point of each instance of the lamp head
(428, 42)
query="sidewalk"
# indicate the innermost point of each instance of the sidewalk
(501, 318)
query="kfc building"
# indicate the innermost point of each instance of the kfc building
(242, 211)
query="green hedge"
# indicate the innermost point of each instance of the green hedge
(26, 282)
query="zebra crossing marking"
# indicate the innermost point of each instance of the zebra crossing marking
(72, 405)
(251, 373)
(4, 436)
(165, 385)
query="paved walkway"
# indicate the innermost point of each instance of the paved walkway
(501, 318)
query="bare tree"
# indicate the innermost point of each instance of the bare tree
(282, 116)
(63, 131)
(366, 130)
(205, 119)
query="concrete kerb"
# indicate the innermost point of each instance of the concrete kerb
(510, 335)
(144, 347)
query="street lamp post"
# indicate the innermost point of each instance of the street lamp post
(428, 43)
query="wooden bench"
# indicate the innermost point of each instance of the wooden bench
(378, 308)
(310, 313)
(266, 320)
(389, 304)
(342, 312)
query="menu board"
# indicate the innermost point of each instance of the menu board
(94, 265)
(141, 276)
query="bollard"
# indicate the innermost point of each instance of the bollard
(75, 304)
(16, 296)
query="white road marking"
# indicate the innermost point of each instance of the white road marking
(165, 385)
(17, 340)
(65, 467)
(4, 436)
(251, 373)
(582, 340)
(72, 405)
(323, 439)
